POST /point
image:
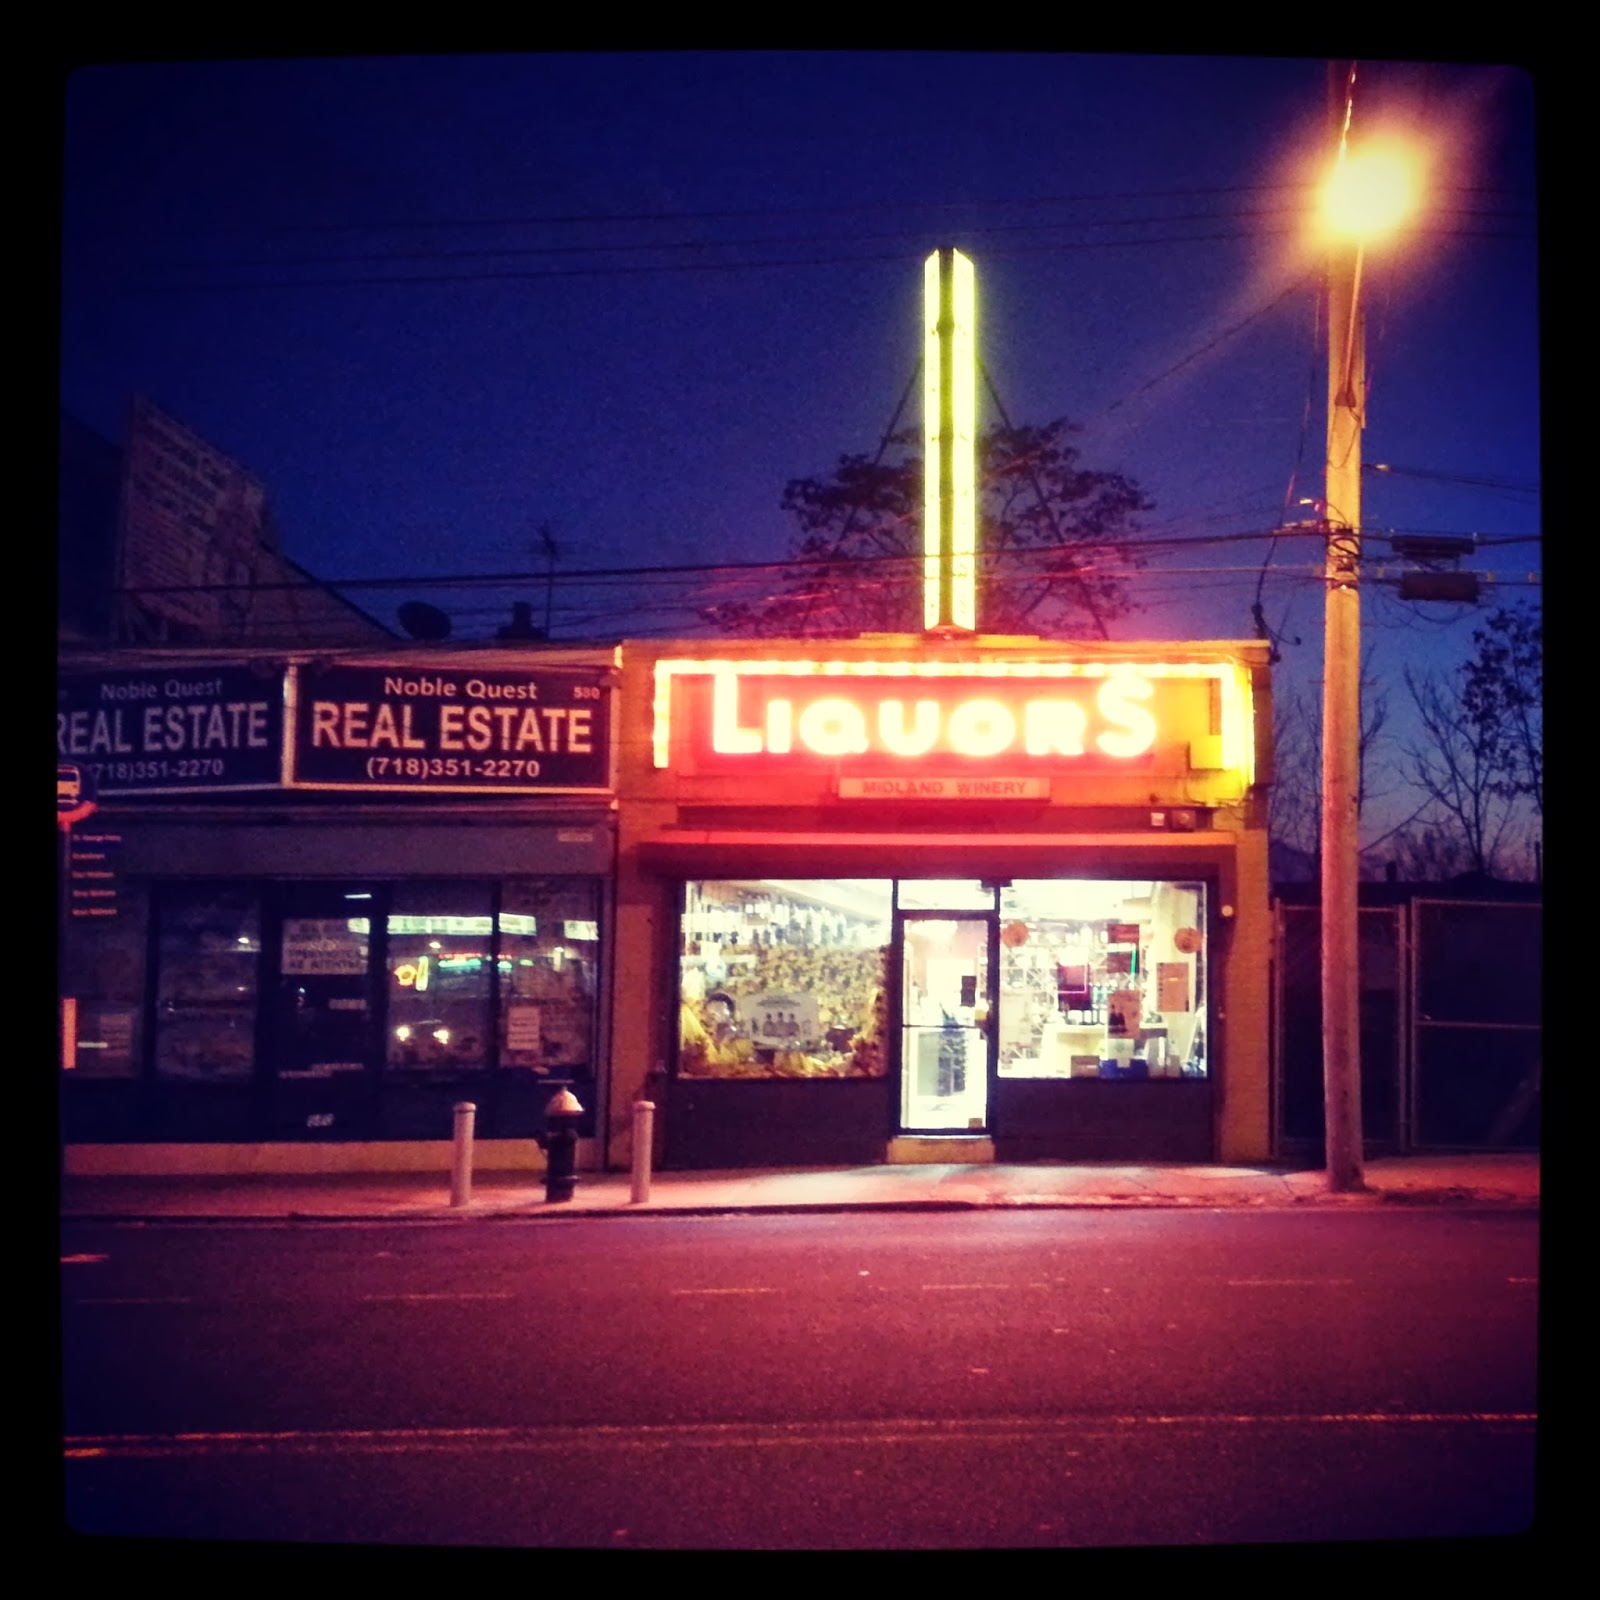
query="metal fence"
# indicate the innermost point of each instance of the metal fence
(1451, 1026)
(1476, 1029)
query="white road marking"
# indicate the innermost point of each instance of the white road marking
(738, 1435)
(1287, 1283)
(188, 1300)
(724, 1291)
(464, 1295)
(139, 1300)
(80, 1261)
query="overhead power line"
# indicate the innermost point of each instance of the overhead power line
(699, 572)
(867, 208)
(496, 252)
(387, 256)
(1508, 485)
(601, 267)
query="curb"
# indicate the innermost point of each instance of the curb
(444, 1213)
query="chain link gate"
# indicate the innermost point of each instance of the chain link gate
(1451, 1027)
(1297, 1076)
(1477, 1031)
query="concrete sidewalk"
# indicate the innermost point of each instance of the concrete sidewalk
(1510, 1180)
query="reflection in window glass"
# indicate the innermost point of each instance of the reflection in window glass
(440, 950)
(104, 970)
(208, 946)
(549, 975)
(1102, 979)
(784, 979)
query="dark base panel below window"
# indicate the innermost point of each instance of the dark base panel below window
(204, 1113)
(1091, 1120)
(713, 1124)
(326, 1110)
(103, 1111)
(423, 1110)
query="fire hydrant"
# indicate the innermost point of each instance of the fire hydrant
(560, 1145)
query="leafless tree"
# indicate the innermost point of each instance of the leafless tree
(1503, 688)
(1457, 760)
(1294, 809)
(1424, 853)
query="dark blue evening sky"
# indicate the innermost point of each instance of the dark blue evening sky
(436, 302)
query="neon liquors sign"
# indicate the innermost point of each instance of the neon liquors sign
(862, 717)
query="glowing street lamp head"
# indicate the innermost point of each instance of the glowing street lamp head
(1370, 192)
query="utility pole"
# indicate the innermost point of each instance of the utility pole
(1369, 192)
(1341, 727)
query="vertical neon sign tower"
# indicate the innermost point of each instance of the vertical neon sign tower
(949, 444)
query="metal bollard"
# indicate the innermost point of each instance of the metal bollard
(461, 1164)
(561, 1145)
(644, 1121)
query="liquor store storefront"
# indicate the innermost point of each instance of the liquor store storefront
(333, 900)
(923, 901)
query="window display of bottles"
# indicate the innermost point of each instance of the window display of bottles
(784, 980)
(1115, 994)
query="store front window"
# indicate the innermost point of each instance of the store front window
(392, 988)
(208, 955)
(439, 958)
(1097, 979)
(944, 894)
(784, 979)
(549, 975)
(103, 970)
(1102, 979)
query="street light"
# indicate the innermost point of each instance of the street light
(1367, 194)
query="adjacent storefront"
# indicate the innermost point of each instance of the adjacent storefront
(953, 901)
(330, 900)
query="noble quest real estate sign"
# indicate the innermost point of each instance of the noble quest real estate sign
(393, 729)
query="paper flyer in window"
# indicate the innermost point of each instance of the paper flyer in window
(1172, 986)
(1122, 1013)
(522, 1028)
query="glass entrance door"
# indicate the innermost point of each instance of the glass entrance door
(325, 1037)
(946, 1003)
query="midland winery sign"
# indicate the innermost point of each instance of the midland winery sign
(395, 729)
(910, 722)
(455, 729)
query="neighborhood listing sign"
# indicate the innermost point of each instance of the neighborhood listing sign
(453, 729)
(391, 729)
(188, 730)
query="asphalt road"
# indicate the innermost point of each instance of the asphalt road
(888, 1380)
